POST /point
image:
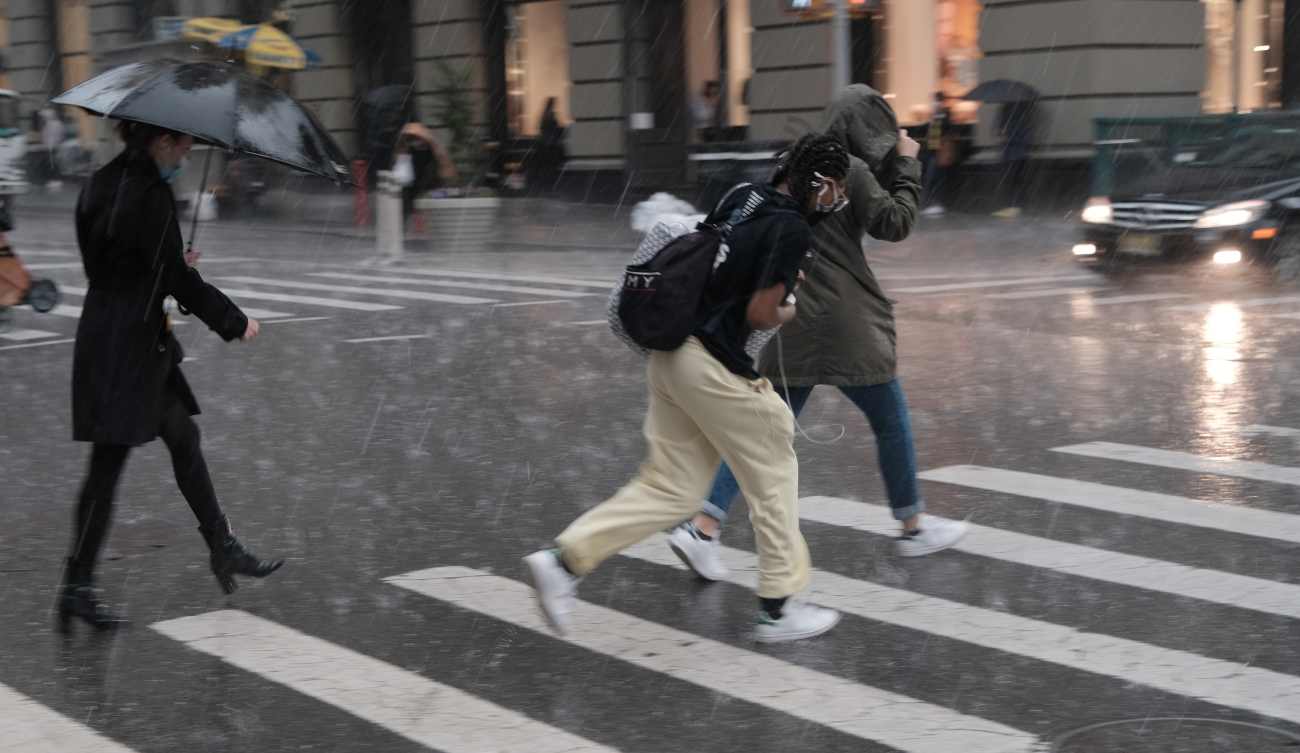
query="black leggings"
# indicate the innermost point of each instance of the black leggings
(95, 508)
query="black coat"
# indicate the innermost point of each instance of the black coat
(125, 359)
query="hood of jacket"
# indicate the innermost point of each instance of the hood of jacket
(863, 121)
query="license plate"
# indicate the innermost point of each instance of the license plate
(1140, 244)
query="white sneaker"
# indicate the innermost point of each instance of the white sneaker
(936, 534)
(798, 621)
(557, 589)
(702, 556)
(936, 210)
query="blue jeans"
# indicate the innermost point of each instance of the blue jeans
(886, 410)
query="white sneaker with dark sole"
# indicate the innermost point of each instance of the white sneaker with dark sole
(557, 589)
(798, 621)
(703, 557)
(935, 535)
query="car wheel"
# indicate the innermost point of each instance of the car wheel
(1286, 259)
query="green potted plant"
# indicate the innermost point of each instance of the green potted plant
(463, 215)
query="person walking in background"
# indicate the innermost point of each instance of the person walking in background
(1016, 126)
(550, 156)
(127, 386)
(705, 110)
(937, 158)
(708, 401)
(844, 334)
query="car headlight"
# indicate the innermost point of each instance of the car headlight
(1233, 215)
(1098, 212)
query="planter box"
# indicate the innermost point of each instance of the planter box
(460, 225)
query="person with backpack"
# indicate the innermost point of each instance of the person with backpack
(844, 335)
(707, 401)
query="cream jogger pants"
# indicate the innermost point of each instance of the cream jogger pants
(699, 411)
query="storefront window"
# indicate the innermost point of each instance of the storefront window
(537, 65)
(957, 45)
(1243, 55)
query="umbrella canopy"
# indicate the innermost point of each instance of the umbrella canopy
(218, 104)
(1002, 91)
(209, 29)
(268, 47)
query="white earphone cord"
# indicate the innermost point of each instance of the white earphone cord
(785, 385)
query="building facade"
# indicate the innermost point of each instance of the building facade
(628, 76)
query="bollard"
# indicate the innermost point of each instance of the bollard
(388, 216)
(360, 201)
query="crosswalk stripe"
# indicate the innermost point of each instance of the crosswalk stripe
(1230, 589)
(40, 344)
(1180, 672)
(263, 313)
(68, 310)
(416, 295)
(1114, 300)
(26, 726)
(552, 292)
(506, 277)
(310, 300)
(24, 335)
(50, 265)
(906, 724)
(261, 295)
(1233, 518)
(1044, 293)
(1186, 461)
(1000, 283)
(1246, 304)
(429, 713)
(1275, 431)
(1292, 315)
(30, 253)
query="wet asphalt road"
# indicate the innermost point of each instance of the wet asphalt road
(1128, 450)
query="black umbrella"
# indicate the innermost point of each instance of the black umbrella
(218, 104)
(1002, 91)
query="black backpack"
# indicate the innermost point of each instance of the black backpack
(660, 300)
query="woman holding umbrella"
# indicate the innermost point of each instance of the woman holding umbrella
(127, 387)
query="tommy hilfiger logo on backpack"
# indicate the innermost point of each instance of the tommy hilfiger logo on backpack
(639, 281)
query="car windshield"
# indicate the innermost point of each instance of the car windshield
(1202, 158)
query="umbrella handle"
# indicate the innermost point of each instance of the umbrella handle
(194, 223)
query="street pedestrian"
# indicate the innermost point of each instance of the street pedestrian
(938, 156)
(707, 401)
(844, 335)
(127, 387)
(1016, 124)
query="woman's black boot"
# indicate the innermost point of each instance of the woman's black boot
(230, 558)
(77, 598)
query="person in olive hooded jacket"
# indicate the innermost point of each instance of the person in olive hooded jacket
(844, 334)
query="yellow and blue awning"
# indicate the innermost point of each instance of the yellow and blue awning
(266, 46)
(209, 29)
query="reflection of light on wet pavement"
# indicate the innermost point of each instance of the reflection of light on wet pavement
(1223, 332)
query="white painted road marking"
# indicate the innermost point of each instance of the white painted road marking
(1229, 589)
(507, 277)
(903, 723)
(41, 344)
(1186, 461)
(387, 338)
(419, 709)
(457, 284)
(999, 283)
(1275, 431)
(297, 319)
(26, 726)
(43, 266)
(286, 298)
(1114, 300)
(1246, 304)
(1182, 673)
(415, 295)
(1235, 518)
(1045, 293)
(23, 335)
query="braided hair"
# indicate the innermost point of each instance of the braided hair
(801, 163)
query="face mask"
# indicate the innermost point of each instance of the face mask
(838, 200)
(169, 173)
